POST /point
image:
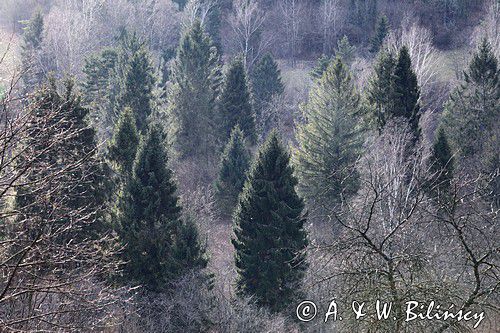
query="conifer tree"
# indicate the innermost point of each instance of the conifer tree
(406, 92)
(269, 228)
(31, 50)
(234, 164)
(381, 31)
(67, 115)
(329, 141)
(159, 247)
(266, 83)
(105, 83)
(380, 88)
(472, 112)
(235, 104)
(196, 82)
(137, 90)
(123, 146)
(442, 164)
(320, 67)
(345, 50)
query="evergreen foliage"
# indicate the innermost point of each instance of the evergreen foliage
(345, 50)
(406, 92)
(235, 105)
(89, 187)
(442, 163)
(471, 118)
(329, 142)
(123, 146)
(380, 88)
(234, 164)
(269, 229)
(138, 85)
(100, 88)
(196, 80)
(31, 50)
(472, 112)
(381, 31)
(266, 83)
(320, 67)
(159, 246)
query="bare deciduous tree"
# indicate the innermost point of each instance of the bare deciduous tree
(246, 22)
(424, 56)
(489, 27)
(330, 11)
(292, 12)
(398, 243)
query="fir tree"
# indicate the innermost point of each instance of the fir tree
(88, 187)
(442, 164)
(269, 228)
(329, 142)
(100, 89)
(321, 66)
(472, 112)
(234, 164)
(105, 84)
(165, 67)
(137, 90)
(406, 92)
(235, 104)
(31, 50)
(471, 118)
(380, 88)
(195, 80)
(266, 83)
(159, 246)
(345, 50)
(381, 31)
(123, 146)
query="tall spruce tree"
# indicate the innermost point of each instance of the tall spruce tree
(381, 31)
(87, 188)
(321, 65)
(123, 146)
(105, 86)
(269, 229)
(472, 112)
(266, 83)
(31, 51)
(329, 141)
(472, 115)
(196, 83)
(380, 88)
(138, 85)
(406, 93)
(235, 105)
(234, 164)
(345, 50)
(159, 246)
(100, 89)
(442, 164)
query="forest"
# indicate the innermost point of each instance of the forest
(250, 166)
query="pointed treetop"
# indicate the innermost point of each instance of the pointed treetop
(484, 64)
(235, 101)
(345, 50)
(33, 30)
(123, 146)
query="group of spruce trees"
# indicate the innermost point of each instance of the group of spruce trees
(213, 116)
(209, 116)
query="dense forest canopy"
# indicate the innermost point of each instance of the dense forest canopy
(249, 165)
